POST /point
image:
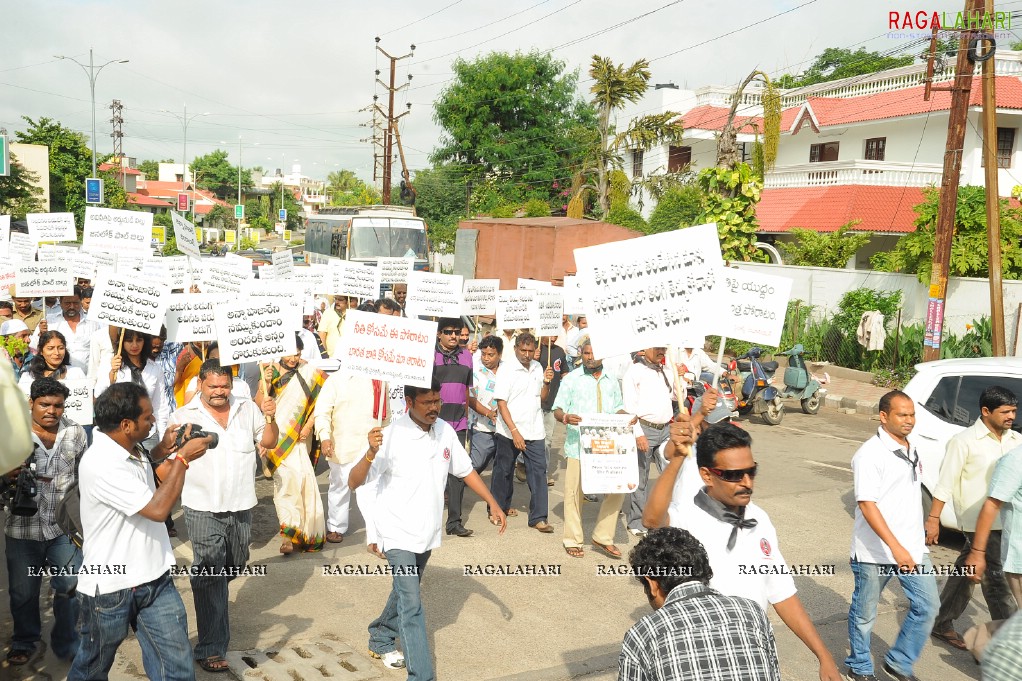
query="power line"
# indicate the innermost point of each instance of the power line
(428, 16)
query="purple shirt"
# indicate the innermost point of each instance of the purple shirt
(454, 372)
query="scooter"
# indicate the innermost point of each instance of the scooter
(799, 383)
(757, 396)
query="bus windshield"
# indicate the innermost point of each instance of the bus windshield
(387, 238)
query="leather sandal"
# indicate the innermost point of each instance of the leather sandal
(607, 549)
(286, 548)
(214, 664)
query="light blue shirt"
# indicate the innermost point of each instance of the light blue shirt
(1006, 486)
(580, 393)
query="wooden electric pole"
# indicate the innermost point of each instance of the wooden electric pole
(957, 119)
(993, 204)
(388, 129)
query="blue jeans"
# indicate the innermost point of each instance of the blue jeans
(403, 616)
(155, 612)
(60, 555)
(921, 590)
(501, 484)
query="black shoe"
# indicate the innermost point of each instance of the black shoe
(852, 676)
(898, 676)
(460, 531)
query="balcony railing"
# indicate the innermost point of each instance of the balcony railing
(831, 173)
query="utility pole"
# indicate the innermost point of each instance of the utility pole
(957, 119)
(993, 204)
(117, 119)
(388, 137)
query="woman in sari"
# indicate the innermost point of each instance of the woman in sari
(295, 385)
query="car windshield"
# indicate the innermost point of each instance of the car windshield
(387, 237)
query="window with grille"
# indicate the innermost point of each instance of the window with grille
(1005, 146)
(820, 153)
(637, 163)
(875, 148)
(678, 158)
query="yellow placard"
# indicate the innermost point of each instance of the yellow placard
(230, 236)
(160, 235)
(255, 236)
(287, 235)
(198, 234)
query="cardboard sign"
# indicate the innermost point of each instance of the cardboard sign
(480, 297)
(313, 279)
(517, 310)
(21, 247)
(253, 330)
(609, 460)
(755, 306)
(644, 292)
(112, 230)
(83, 265)
(78, 405)
(434, 295)
(549, 306)
(51, 227)
(354, 280)
(5, 235)
(185, 236)
(36, 280)
(281, 267)
(179, 274)
(573, 302)
(396, 349)
(8, 274)
(395, 270)
(190, 316)
(60, 254)
(106, 263)
(223, 277)
(127, 302)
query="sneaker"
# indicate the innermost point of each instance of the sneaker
(852, 676)
(392, 660)
(898, 676)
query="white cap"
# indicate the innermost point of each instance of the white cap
(12, 326)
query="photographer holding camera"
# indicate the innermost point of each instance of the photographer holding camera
(35, 544)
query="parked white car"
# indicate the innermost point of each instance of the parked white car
(946, 393)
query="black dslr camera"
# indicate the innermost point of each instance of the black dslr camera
(190, 431)
(18, 497)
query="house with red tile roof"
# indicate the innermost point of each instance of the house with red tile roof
(858, 149)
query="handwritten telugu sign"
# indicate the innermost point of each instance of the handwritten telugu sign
(355, 280)
(130, 303)
(754, 306)
(645, 292)
(517, 309)
(253, 330)
(63, 254)
(51, 227)
(35, 280)
(190, 316)
(21, 247)
(83, 265)
(109, 229)
(396, 349)
(434, 295)
(179, 274)
(395, 270)
(479, 297)
(184, 235)
(78, 405)
(609, 463)
(549, 306)
(282, 266)
(224, 277)
(8, 273)
(313, 279)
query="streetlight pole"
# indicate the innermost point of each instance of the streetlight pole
(92, 72)
(238, 244)
(185, 120)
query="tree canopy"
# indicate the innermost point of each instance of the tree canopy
(214, 172)
(19, 195)
(835, 63)
(151, 169)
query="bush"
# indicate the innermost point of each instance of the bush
(678, 207)
(624, 215)
(536, 208)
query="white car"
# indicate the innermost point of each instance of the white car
(946, 393)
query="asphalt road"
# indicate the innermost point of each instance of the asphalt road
(569, 625)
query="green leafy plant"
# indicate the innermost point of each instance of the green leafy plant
(536, 208)
(729, 199)
(14, 346)
(819, 249)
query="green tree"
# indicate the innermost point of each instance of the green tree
(343, 181)
(151, 169)
(730, 196)
(678, 207)
(969, 252)
(19, 193)
(293, 207)
(835, 63)
(511, 115)
(822, 249)
(220, 217)
(215, 173)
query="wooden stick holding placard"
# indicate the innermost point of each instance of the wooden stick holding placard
(120, 341)
(549, 350)
(476, 327)
(678, 395)
(202, 349)
(263, 386)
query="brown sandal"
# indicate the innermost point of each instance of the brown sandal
(951, 638)
(287, 547)
(575, 551)
(607, 549)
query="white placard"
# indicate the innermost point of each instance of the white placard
(8, 273)
(609, 460)
(223, 277)
(51, 227)
(36, 280)
(78, 405)
(62, 254)
(573, 302)
(480, 297)
(755, 306)
(83, 265)
(5, 235)
(550, 305)
(21, 247)
(396, 349)
(532, 284)
(517, 310)
(283, 265)
(109, 229)
(395, 270)
(354, 280)
(314, 279)
(644, 292)
(238, 262)
(253, 330)
(106, 263)
(155, 270)
(190, 316)
(130, 303)
(179, 274)
(434, 295)
(129, 264)
(184, 236)
(284, 293)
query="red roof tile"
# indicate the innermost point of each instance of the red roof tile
(708, 117)
(143, 200)
(119, 170)
(824, 209)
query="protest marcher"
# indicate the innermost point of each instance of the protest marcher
(24, 311)
(240, 389)
(51, 359)
(87, 292)
(411, 459)
(694, 632)
(452, 366)
(6, 310)
(738, 535)
(888, 540)
(36, 541)
(165, 355)
(295, 385)
(218, 497)
(965, 474)
(691, 358)
(330, 325)
(522, 385)
(648, 392)
(102, 346)
(586, 390)
(313, 343)
(189, 361)
(122, 515)
(77, 330)
(549, 354)
(134, 365)
(573, 337)
(567, 329)
(1004, 498)
(401, 296)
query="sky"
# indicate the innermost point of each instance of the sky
(292, 80)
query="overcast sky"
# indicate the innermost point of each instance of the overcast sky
(291, 77)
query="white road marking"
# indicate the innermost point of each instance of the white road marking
(818, 434)
(830, 465)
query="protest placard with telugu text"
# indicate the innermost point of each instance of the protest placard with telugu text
(396, 349)
(184, 236)
(37, 279)
(113, 230)
(51, 227)
(434, 295)
(354, 280)
(190, 316)
(21, 247)
(754, 306)
(549, 306)
(5, 235)
(126, 301)
(517, 309)
(480, 297)
(253, 330)
(395, 270)
(78, 405)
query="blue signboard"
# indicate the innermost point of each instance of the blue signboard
(282, 213)
(93, 190)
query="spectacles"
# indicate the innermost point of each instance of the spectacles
(734, 474)
(450, 332)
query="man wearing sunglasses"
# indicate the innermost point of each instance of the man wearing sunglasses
(452, 366)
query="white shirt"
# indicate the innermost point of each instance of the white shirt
(344, 414)
(114, 487)
(520, 387)
(686, 486)
(484, 383)
(887, 480)
(239, 388)
(696, 361)
(411, 470)
(221, 480)
(754, 567)
(26, 380)
(152, 378)
(78, 340)
(648, 393)
(310, 348)
(101, 351)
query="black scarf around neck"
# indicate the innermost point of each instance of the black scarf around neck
(721, 513)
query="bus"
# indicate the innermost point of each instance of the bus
(366, 233)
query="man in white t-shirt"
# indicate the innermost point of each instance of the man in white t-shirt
(411, 459)
(888, 540)
(125, 575)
